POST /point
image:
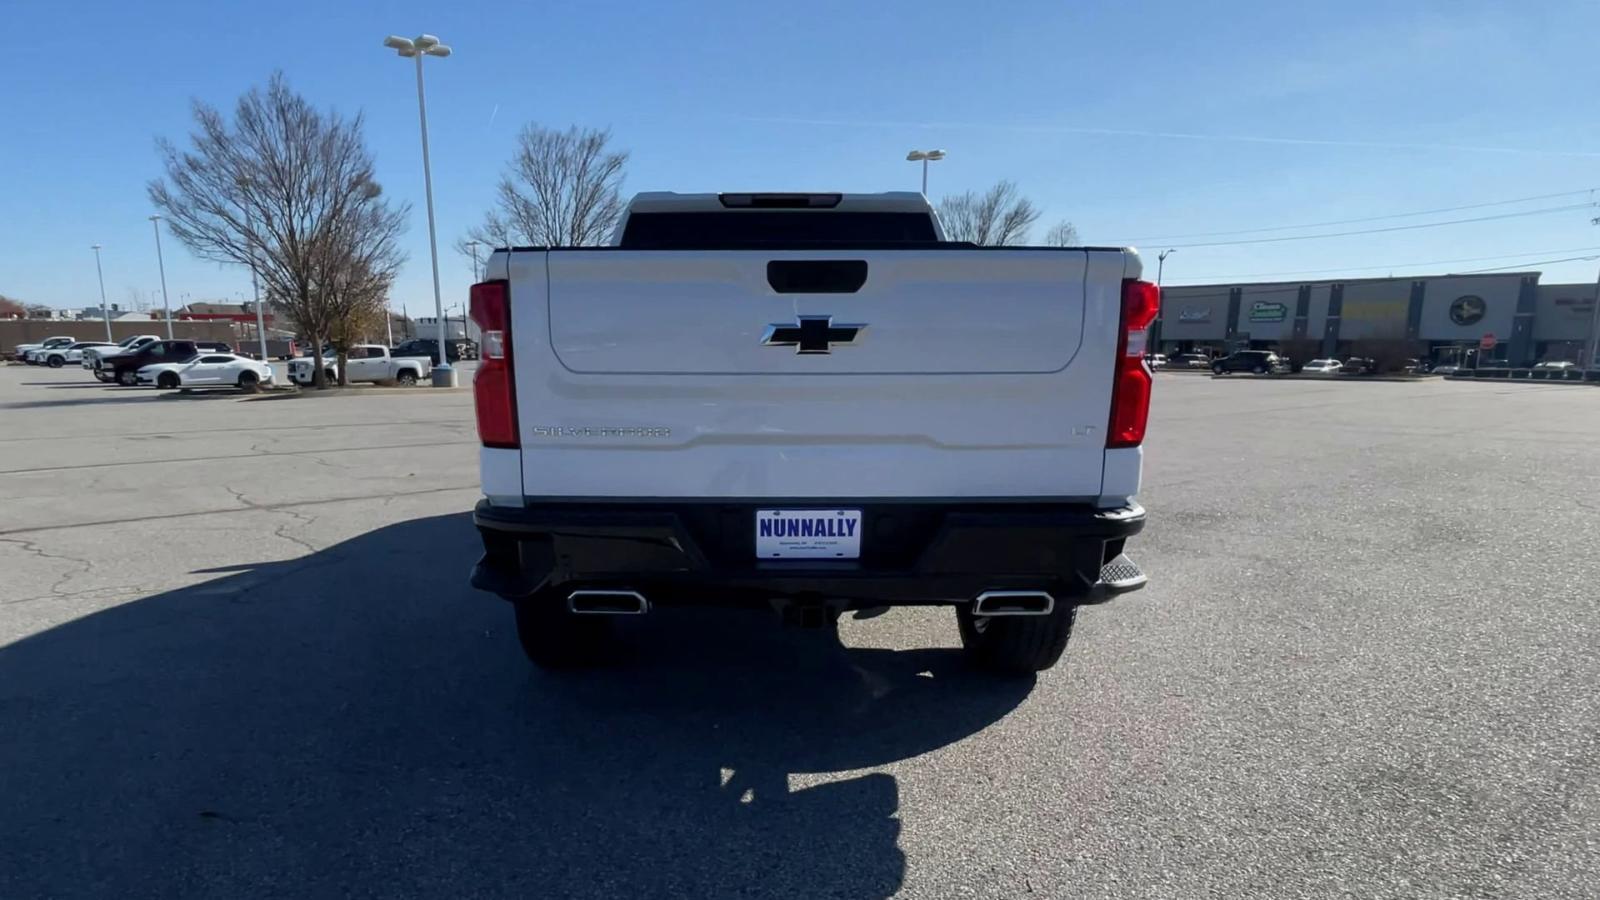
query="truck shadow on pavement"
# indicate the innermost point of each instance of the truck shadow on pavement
(360, 722)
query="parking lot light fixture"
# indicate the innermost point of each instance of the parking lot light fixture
(416, 48)
(925, 157)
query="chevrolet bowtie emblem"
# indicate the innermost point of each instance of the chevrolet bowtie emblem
(812, 334)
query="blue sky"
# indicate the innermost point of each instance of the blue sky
(1135, 121)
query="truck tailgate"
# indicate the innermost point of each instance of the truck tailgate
(949, 372)
(915, 311)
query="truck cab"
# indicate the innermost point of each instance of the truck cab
(812, 402)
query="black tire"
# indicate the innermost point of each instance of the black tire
(1217, 369)
(330, 376)
(249, 383)
(1260, 370)
(406, 379)
(553, 638)
(1016, 645)
(167, 381)
(127, 378)
(55, 362)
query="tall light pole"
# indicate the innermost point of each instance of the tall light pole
(473, 246)
(155, 223)
(925, 157)
(416, 48)
(1161, 263)
(1594, 332)
(98, 271)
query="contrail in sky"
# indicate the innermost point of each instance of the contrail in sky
(1176, 135)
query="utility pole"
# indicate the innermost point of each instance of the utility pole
(103, 314)
(155, 223)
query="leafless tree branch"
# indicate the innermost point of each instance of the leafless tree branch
(288, 189)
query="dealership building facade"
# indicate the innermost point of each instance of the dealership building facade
(1441, 315)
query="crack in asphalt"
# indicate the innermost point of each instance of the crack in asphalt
(55, 589)
(301, 518)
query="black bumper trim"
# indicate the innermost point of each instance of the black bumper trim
(914, 551)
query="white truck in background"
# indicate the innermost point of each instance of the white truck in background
(813, 402)
(364, 362)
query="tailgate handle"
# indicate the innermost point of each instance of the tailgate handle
(817, 276)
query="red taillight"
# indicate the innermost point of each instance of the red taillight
(1130, 389)
(494, 390)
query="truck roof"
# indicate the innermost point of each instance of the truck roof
(823, 201)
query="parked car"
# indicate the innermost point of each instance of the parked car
(1445, 369)
(94, 358)
(1258, 362)
(455, 351)
(20, 351)
(1555, 365)
(208, 370)
(365, 362)
(1190, 361)
(1322, 367)
(1359, 365)
(56, 357)
(123, 368)
(1156, 360)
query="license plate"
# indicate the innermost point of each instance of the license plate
(808, 533)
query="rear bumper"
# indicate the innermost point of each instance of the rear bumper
(703, 553)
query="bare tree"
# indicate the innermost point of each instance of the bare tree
(561, 189)
(1000, 216)
(289, 189)
(1061, 234)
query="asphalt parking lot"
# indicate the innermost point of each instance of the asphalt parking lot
(238, 657)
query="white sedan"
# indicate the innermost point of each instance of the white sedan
(208, 370)
(1322, 367)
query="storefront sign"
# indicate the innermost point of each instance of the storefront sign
(1194, 314)
(1468, 309)
(1262, 311)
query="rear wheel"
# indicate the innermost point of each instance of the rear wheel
(1217, 369)
(55, 362)
(407, 378)
(167, 380)
(1016, 645)
(127, 378)
(248, 382)
(553, 638)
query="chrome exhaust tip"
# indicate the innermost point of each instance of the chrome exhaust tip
(607, 603)
(1013, 603)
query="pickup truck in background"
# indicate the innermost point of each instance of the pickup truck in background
(91, 358)
(365, 362)
(20, 352)
(123, 368)
(815, 403)
(56, 357)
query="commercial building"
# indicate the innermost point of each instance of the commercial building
(1441, 316)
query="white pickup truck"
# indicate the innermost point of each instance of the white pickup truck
(815, 403)
(365, 362)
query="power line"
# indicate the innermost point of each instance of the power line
(1401, 215)
(1404, 265)
(1332, 234)
(1541, 262)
